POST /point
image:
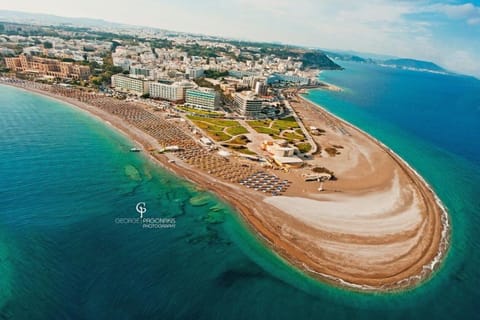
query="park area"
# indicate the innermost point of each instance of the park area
(219, 130)
(284, 129)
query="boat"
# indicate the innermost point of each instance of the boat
(134, 150)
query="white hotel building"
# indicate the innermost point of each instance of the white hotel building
(127, 84)
(203, 98)
(171, 92)
(248, 104)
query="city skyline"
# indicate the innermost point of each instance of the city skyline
(440, 31)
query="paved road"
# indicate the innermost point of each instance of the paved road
(302, 126)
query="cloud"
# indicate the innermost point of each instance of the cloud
(474, 21)
(459, 11)
(467, 12)
(462, 61)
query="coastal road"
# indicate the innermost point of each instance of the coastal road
(302, 126)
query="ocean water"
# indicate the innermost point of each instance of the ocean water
(66, 178)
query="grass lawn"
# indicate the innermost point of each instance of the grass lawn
(215, 121)
(275, 127)
(285, 124)
(233, 131)
(198, 111)
(219, 136)
(241, 140)
(299, 131)
(304, 147)
(259, 123)
(241, 149)
(218, 129)
(291, 136)
(266, 130)
(208, 127)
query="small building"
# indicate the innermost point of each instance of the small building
(318, 177)
(206, 141)
(194, 73)
(224, 153)
(288, 162)
(172, 148)
(282, 154)
(316, 131)
(278, 148)
(283, 151)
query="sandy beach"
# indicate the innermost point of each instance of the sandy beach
(377, 227)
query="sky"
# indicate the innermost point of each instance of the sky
(445, 32)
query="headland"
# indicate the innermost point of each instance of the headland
(373, 225)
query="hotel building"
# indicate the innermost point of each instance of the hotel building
(123, 83)
(247, 104)
(171, 92)
(202, 98)
(47, 67)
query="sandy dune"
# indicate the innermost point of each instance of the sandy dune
(375, 214)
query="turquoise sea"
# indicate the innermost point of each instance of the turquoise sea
(66, 179)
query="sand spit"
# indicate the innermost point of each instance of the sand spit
(379, 227)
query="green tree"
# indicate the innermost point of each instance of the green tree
(47, 45)
(96, 80)
(215, 74)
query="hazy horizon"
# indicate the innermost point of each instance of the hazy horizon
(444, 32)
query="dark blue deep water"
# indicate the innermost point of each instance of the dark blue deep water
(65, 178)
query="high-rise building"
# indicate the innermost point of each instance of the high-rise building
(203, 98)
(171, 92)
(260, 88)
(248, 104)
(127, 84)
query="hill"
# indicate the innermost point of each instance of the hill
(412, 64)
(318, 60)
